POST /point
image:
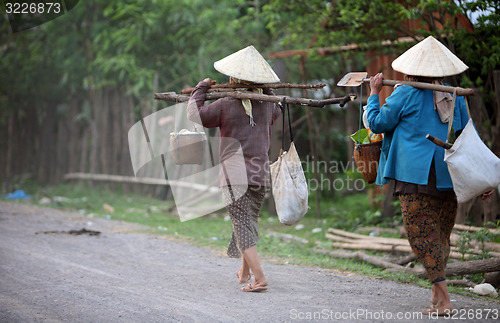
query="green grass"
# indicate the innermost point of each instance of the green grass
(214, 231)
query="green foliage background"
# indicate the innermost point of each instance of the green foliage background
(102, 42)
(122, 43)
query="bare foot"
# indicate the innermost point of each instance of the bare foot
(243, 278)
(443, 307)
(440, 310)
(440, 300)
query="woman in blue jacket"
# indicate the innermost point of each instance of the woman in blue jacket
(422, 180)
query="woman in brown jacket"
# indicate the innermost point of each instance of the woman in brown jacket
(245, 129)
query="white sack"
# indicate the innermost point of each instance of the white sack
(289, 184)
(485, 290)
(473, 168)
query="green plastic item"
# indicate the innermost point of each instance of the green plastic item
(360, 137)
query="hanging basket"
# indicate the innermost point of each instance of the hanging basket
(187, 147)
(366, 157)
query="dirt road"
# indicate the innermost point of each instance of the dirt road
(124, 275)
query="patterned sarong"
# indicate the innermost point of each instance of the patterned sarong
(428, 221)
(244, 213)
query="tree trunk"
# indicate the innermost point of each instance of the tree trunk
(493, 278)
(473, 267)
(10, 147)
(312, 140)
(407, 259)
(84, 151)
(388, 209)
(47, 147)
(490, 207)
(461, 282)
(495, 143)
(377, 261)
(452, 269)
(127, 120)
(117, 133)
(462, 212)
(95, 101)
(63, 141)
(104, 127)
(494, 208)
(74, 140)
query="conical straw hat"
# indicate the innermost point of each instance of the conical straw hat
(247, 64)
(429, 58)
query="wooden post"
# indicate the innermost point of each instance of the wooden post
(94, 132)
(311, 136)
(10, 149)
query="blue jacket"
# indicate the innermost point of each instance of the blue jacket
(406, 118)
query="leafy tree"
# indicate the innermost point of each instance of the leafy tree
(469, 28)
(131, 46)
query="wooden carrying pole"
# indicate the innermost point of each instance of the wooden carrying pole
(438, 142)
(172, 96)
(216, 87)
(427, 86)
(358, 78)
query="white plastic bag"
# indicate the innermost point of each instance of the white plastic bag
(485, 290)
(289, 184)
(473, 168)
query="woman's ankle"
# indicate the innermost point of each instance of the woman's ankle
(441, 296)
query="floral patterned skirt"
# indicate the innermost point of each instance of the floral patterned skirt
(428, 221)
(244, 214)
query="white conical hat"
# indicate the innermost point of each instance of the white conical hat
(429, 58)
(247, 64)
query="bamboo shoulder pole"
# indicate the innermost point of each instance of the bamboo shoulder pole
(429, 86)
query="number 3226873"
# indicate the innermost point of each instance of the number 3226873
(33, 8)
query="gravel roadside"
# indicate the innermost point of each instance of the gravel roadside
(125, 274)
